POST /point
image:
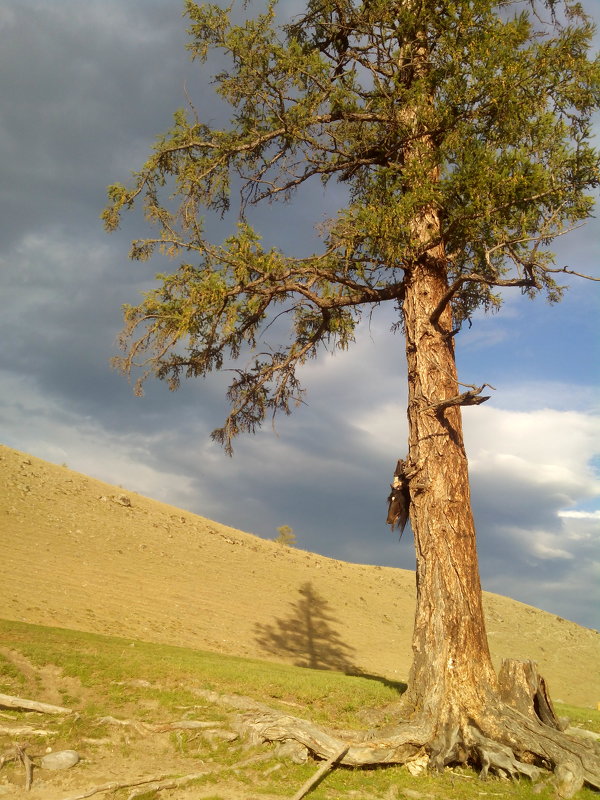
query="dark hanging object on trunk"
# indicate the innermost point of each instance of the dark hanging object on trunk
(399, 499)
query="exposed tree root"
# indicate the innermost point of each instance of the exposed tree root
(518, 735)
(145, 728)
(23, 730)
(509, 739)
(523, 748)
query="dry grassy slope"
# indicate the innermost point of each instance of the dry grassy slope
(75, 557)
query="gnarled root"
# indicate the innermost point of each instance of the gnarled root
(404, 745)
(509, 738)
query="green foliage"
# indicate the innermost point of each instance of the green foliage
(479, 110)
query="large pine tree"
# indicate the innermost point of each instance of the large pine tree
(461, 130)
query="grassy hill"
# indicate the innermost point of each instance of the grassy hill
(82, 554)
(146, 712)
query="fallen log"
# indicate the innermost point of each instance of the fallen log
(22, 704)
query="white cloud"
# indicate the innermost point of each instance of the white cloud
(545, 447)
(579, 514)
(541, 543)
(48, 430)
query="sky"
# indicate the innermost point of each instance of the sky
(85, 88)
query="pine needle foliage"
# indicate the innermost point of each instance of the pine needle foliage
(479, 109)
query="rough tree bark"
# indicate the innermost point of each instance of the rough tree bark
(452, 677)
(452, 668)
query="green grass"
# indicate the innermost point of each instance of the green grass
(587, 718)
(95, 659)
(102, 663)
(12, 679)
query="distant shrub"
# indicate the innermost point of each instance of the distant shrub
(285, 536)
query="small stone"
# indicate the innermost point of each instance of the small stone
(63, 759)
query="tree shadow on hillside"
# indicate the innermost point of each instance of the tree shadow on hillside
(307, 635)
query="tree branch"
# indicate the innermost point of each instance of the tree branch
(320, 773)
(568, 271)
(470, 398)
(474, 277)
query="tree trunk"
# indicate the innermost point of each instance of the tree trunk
(452, 669)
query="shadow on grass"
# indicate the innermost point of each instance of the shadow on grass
(308, 635)
(397, 686)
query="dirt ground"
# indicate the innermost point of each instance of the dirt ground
(81, 554)
(110, 755)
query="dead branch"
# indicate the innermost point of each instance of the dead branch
(569, 271)
(27, 766)
(320, 774)
(24, 730)
(470, 398)
(8, 701)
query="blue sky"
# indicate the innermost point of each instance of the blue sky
(86, 88)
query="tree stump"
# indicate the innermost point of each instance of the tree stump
(522, 687)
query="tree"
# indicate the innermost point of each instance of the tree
(461, 132)
(285, 536)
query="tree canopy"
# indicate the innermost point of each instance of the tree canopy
(477, 109)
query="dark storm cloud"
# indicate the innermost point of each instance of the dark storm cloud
(86, 89)
(83, 87)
